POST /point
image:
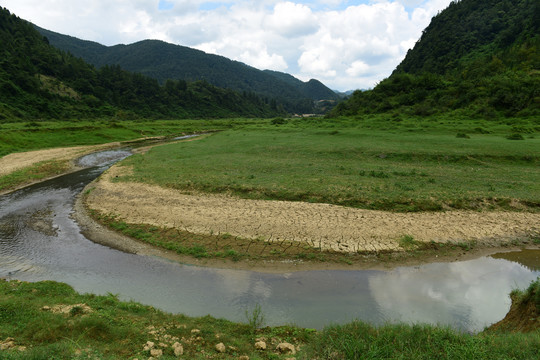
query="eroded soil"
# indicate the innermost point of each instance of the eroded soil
(323, 226)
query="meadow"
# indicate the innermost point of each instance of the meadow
(37, 135)
(373, 162)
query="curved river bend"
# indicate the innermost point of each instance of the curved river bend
(40, 241)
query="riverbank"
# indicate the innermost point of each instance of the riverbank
(284, 236)
(50, 320)
(27, 168)
(276, 236)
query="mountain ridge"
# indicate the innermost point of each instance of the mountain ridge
(162, 61)
(39, 81)
(477, 57)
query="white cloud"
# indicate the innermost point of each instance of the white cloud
(292, 20)
(357, 68)
(347, 44)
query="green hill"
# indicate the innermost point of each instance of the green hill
(480, 57)
(163, 61)
(38, 81)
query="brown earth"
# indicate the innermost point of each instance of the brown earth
(523, 316)
(17, 161)
(324, 226)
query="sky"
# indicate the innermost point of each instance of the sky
(346, 44)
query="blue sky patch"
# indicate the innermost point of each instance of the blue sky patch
(165, 5)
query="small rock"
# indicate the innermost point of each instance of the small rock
(195, 331)
(221, 348)
(156, 352)
(46, 308)
(21, 348)
(286, 348)
(148, 346)
(178, 349)
(243, 357)
(260, 345)
(7, 345)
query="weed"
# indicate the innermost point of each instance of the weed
(255, 317)
(466, 245)
(76, 310)
(407, 242)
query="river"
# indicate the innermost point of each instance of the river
(39, 240)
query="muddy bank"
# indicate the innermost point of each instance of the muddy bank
(327, 227)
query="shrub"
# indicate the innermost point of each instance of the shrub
(278, 121)
(515, 137)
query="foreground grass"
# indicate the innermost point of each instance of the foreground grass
(102, 327)
(373, 163)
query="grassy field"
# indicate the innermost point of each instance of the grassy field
(26, 136)
(373, 162)
(48, 320)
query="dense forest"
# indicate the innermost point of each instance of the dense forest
(38, 81)
(480, 57)
(163, 61)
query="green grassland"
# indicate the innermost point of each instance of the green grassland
(374, 162)
(102, 327)
(37, 135)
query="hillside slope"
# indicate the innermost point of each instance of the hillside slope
(163, 61)
(480, 57)
(39, 81)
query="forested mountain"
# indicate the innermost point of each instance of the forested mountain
(481, 57)
(39, 81)
(163, 61)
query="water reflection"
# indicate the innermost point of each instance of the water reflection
(466, 295)
(528, 258)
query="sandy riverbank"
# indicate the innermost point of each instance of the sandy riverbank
(329, 227)
(17, 161)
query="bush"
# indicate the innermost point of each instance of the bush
(515, 137)
(278, 121)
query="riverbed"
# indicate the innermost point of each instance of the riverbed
(40, 240)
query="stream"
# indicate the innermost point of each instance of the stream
(40, 241)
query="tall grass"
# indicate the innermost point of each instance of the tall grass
(362, 341)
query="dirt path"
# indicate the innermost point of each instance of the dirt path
(330, 227)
